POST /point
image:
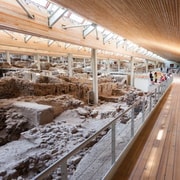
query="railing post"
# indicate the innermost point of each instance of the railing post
(143, 110)
(155, 95)
(113, 144)
(64, 170)
(166, 85)
(159, 92)
(162, 88)
(150, 103)
(132, 121)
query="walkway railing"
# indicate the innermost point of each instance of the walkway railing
(136, 116)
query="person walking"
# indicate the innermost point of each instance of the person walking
(155, 77)
(151, 76)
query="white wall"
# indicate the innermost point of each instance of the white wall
(142, 82)
(167, 64)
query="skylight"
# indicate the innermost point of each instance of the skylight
(100, 29)
(76, 18)
(52, 8)
(86, 22)
(40, 2)
(106, 32)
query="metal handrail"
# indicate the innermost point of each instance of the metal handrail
(63, 160)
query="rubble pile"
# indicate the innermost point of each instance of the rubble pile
(48, 144)
(12, 123)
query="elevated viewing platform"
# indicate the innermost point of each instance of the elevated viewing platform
(155, 154)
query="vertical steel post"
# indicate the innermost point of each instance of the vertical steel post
(113, 144)
(70, 64)
(143, 110)
(159, 92)
(132, 121)
(155, 95)
(64, 170)
(94, 71)
(150, 103)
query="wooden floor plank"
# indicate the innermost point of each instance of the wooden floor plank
(148, 153)
(171, 154)
(166, 167)
(157, 147)
(161, 171)
(176, 172)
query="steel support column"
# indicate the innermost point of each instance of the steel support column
(70, 60)
(8, 57)
(95, 78)
(146, 65)
(132, 71)
(37, 60)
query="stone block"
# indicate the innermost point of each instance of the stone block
(27, 75)
(37, 114)
(35, 77)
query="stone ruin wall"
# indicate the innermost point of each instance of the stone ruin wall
(14, 87)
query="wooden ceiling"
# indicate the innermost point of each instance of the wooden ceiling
(152, 24)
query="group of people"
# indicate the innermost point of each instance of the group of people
(153, 77)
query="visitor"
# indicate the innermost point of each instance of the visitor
(155, 77)
(151, 76)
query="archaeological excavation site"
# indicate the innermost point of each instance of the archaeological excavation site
(76, 90)
(45, 113)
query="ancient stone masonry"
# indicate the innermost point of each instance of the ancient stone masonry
(14, 87)
(8, 88)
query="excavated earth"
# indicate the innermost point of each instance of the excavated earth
(25, 150)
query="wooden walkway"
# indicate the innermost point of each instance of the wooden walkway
(156, 153)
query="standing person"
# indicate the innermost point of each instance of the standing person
(155, 77)
(151, 76)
